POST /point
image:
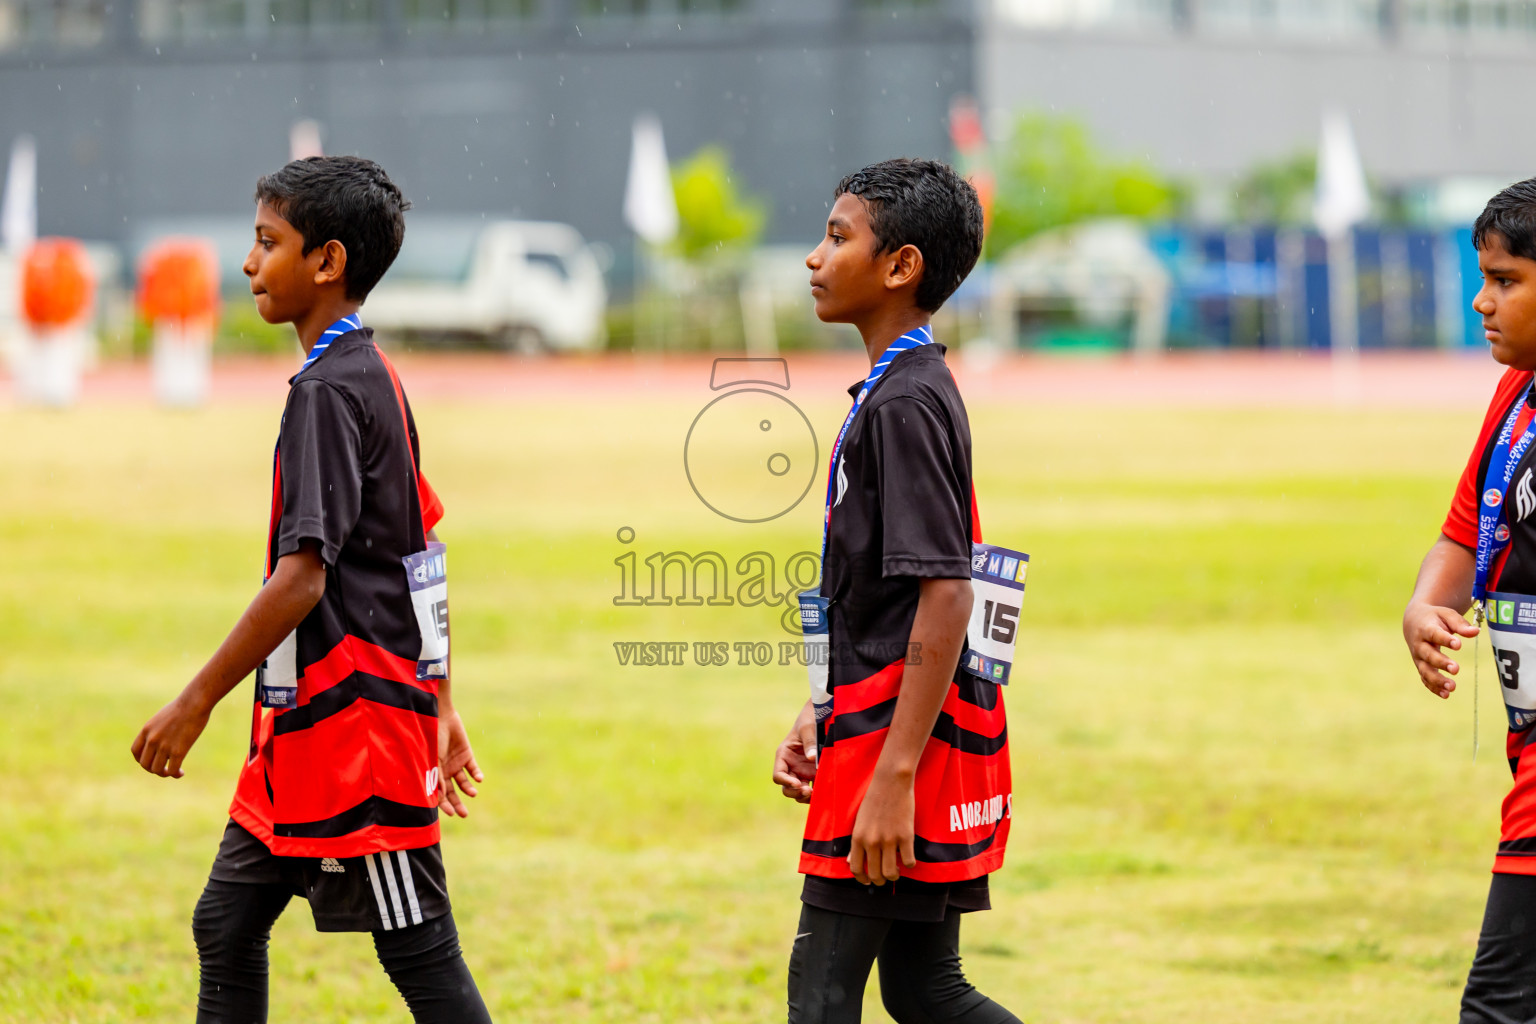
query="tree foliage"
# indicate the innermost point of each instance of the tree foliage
(1277, 191)
(1049, 173)
(713, 213)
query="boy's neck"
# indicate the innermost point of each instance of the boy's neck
(326, 312)
(886, 326)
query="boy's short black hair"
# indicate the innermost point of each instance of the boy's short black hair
(346, 198)
(926, 204)
(1512, 216)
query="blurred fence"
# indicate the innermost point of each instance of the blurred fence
(1264, 287)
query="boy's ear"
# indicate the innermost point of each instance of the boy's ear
(332, 268)
(905, 268)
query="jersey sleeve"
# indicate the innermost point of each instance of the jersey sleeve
(925, 508)
(319, 452)
(1461, 521)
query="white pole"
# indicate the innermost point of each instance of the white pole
(1343, 200)
(1344, 317)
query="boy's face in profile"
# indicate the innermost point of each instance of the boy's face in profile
(847, 277)
(1507, 302)
(282, 277)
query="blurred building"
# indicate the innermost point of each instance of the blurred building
(150, 110)
(1211, 86)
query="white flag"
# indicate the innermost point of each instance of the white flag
(1343, 198)
(650, 206)
(304, 140)
(18, 210)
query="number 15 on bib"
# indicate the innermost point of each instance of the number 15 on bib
(997, 579)
(427, 572)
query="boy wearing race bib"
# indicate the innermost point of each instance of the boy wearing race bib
(355, 745)
(905, 762)
(1485, 560)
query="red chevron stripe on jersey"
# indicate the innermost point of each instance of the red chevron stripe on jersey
(355, 654)
(1517, 832)
(963, 789)
(377, 759)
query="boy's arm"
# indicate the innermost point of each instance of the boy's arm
(1435, 618)
(883, 830)
(296, 586)
(455, 758)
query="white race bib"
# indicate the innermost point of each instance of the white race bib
(997, 577)
(1512, 630)
(815, 629)
(427, 572)
(277, 680)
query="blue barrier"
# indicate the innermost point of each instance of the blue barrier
(1267, 287)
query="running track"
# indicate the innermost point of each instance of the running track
(1185, 379)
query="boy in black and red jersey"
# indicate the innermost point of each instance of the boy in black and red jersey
(355, 745)
(890, 865)
(1486, 558)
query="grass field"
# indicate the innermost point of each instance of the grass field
(1233, 801)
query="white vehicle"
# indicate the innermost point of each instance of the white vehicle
(523, 285)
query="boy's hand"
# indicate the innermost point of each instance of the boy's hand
(1428, 628)
(296, 586)
(883, 830)
(457, 763)
(794, 763)
(168, 736)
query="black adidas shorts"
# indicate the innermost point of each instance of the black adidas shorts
(378, 892)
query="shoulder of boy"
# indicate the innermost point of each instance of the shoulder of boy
(910, 400)
(320, 391)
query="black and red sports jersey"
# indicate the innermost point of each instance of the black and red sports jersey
(902, 511)
(351, 768)
(1514, 571)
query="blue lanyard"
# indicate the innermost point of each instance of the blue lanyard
(330, 334)
(836, 480)
(1492, 532)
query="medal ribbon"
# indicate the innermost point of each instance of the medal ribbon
(330, 334)
(912, 339)
(1491, 513)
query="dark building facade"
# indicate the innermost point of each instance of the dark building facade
(147, 110)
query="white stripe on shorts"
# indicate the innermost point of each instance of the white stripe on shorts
(378, 891)
(410, 885)
(394, 890)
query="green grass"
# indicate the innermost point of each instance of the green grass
(1233, 801)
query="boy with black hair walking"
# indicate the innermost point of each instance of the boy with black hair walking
(1485, 560)
(908, 738)
(355, 745)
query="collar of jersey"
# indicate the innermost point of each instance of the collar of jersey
(854, 389)
(346, 325)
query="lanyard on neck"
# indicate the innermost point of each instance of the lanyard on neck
(1492, 528)
(837, 480)
(330, 334)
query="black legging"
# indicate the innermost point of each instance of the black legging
(233, 922)
(1501, 986)
(920, 977)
